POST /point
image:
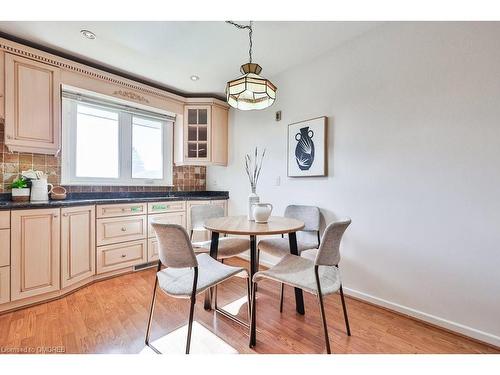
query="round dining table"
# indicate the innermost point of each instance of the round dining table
(240, 225)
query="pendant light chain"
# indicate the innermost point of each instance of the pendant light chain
(250, 32)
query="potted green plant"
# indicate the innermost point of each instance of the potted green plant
(20, 190)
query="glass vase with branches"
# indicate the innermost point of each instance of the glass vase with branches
(253, 167)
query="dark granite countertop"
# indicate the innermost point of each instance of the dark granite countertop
(81, 199)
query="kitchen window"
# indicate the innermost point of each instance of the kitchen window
(111, 143)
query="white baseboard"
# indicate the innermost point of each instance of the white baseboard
(420, 315)
(432, 319)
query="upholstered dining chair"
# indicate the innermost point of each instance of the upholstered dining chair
(307, 239)
(320, 277)
(228, 247)
(186, 274)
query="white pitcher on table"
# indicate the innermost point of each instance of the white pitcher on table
(261, 212)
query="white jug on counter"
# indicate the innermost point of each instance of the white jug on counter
(40, 190)
(261, 212)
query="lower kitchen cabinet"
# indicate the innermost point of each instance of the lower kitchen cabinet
(178, 218)
(121, 255)
(121, 229)
(77, 244)
(153, 250)
(201, 235)
(35, 253)
(4, 284)
(4, 247)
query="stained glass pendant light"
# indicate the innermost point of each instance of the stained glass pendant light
(250, 91)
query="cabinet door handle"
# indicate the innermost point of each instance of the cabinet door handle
(65, 214)
(55, 216)
(123, 256)
(124, 229)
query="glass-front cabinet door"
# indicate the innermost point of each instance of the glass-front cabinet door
(197, 130)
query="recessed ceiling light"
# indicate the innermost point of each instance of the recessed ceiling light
(194, 78)
(88, 34)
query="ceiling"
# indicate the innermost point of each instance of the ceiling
(169, 53)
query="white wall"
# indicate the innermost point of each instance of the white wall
(414, 160)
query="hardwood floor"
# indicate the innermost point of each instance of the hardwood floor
(111, 316)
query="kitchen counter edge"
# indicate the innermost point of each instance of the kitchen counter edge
(9, 205)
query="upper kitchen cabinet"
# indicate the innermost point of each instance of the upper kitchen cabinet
(201, 139)
(32, 105)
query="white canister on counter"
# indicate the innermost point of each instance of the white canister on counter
(40, 190)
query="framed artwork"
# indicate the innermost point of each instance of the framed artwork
(307, 148)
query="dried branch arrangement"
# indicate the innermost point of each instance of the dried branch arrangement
(253, 167)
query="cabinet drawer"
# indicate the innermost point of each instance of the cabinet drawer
(4, 284)
(4, 247)
(152, 250)
(117, 210)
(115, 257)
(158, 207)
(166, 218)
(122, 229)
(4, 219)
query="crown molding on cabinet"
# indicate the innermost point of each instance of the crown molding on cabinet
(100, 73)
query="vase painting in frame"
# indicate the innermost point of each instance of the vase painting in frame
(307, 148)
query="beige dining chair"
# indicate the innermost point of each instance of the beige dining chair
(228, 247)
(186, 274)
(319, 277)
(307, 239)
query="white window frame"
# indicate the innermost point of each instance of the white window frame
(68, 154)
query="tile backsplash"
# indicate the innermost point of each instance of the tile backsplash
(186, 178)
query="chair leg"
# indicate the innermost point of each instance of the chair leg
(322, 309)
(282, 292)
(190, 324)
(214, 291)
(344, 307)
(191, 309)
(253, 334)
(153, 300)
(323, 318)
(215, 297)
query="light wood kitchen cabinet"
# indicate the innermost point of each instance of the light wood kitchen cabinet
(4, 247)
(4, 238)
(77, 244)
(160, 207)
(202, 138)
(201, 235)
(197, 126)
(153, 250)
(122, 255)
(2, 86)
(35, 252)
(117, 210)
(178, 218)
(121, 229)
(4, 219)
(32, 106)
(4, 284)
